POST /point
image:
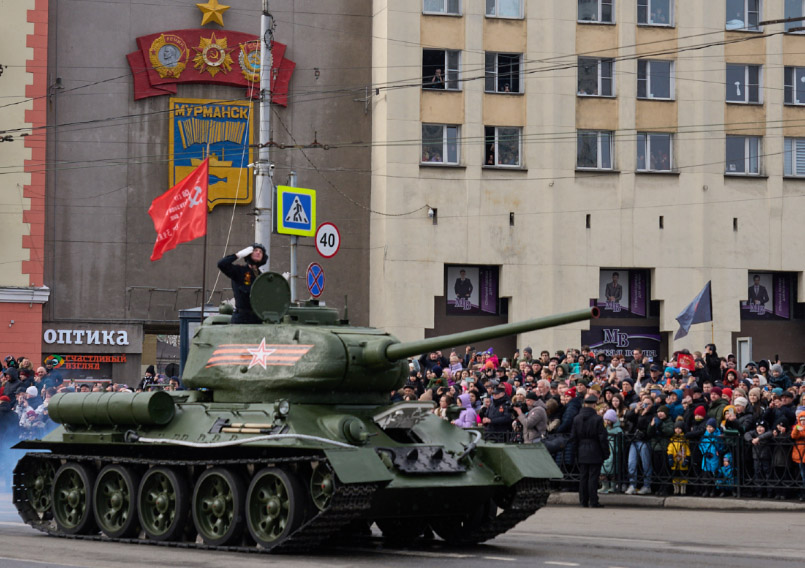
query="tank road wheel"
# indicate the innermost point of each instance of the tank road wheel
(38, 479)
(115, 501)
(275, 506)
(322, 486)
(162, 504)
(218, 501)
(72, 499)
(459, 530)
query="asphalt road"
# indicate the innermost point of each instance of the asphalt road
(555, 536)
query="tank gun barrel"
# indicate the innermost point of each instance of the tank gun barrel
(397, 351)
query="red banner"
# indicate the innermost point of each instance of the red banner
(686, 361)
(180, 214)
(206, 56)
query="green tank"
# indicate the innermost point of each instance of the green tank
(285, 439)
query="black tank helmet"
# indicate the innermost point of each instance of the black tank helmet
(265, 255)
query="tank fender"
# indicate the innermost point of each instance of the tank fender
(361, 465)
(515, 462)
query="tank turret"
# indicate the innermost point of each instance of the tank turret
(306, 353)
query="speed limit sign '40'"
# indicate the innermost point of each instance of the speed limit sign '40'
(328, 240)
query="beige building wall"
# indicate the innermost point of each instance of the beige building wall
(549, 260)
(13, 154)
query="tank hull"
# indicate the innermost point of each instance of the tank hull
(336, 485)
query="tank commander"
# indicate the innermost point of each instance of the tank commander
(242, 277)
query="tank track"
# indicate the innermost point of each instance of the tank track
(524, 499)
(349, 502)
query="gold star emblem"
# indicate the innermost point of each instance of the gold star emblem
(212, 12)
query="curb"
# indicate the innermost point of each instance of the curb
(696, 503)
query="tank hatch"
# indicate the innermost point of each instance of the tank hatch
(270, 297)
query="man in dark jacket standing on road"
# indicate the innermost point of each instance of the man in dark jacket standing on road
(590, 439)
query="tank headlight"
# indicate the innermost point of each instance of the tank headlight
(354, 430)
(283, 407)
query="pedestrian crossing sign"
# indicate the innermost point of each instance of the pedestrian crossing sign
(296, 211)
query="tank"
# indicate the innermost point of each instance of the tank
(285, 439)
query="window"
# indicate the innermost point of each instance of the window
(655, 79)
(794, 86)
(502, 146)
(440, 69)
(654, 152)
(743, 83)
(504, 8)
(595, 77)
(794, 157)
(440, 144)
(794, 9)
(743, 155)
(442, 7)
(503, 73)
(600, 11)
(655, 12)
(594, 150)
(743, 15)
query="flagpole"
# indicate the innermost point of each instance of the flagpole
(712, 319)
(204, 254)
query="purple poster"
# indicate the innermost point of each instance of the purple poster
(782, 299)
(489, 291)
(637, 283)
(768, 296)
(622, 293)
(471, 290)
(621, 340)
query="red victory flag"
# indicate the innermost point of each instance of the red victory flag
(180, 214)
(686, 361)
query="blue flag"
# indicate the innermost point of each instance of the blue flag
(698, 311)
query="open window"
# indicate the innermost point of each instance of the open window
(595, 77)
(503, 73)
(502, 146)
(440, 69)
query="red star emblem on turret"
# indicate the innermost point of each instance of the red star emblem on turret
(260, 354)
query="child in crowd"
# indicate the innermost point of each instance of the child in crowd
(781, 455)
(798, 451)
(761, 439)
(725, 482)
(710, 447)
(679, 457)
(608, 473)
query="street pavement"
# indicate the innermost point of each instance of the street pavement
(613, 537)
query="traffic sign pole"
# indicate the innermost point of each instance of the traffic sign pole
(294, 243)
(296, 216)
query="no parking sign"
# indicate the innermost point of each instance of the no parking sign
(315, 279)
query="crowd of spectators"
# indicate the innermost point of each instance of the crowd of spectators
(672, 426)
(676, 425)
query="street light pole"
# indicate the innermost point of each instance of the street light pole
(264, 200)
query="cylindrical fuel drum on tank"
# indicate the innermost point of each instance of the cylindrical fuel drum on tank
(112, 408)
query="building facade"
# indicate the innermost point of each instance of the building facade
(118, 124)
(620, 152)
(23, 117)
